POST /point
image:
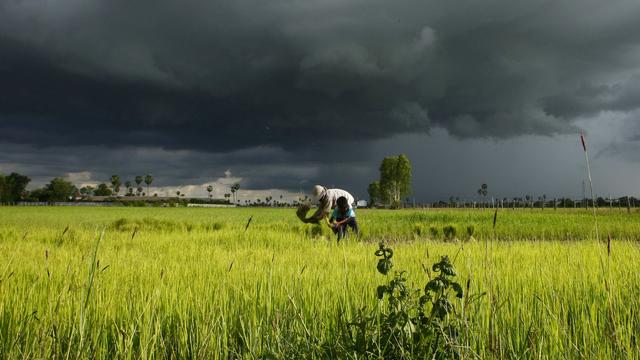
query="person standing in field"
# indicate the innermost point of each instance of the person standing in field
(328, 200)
(342, 217)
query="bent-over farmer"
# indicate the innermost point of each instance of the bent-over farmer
(327, 200)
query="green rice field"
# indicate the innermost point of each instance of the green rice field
(203, 283)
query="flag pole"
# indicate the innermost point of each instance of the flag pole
(593, 199)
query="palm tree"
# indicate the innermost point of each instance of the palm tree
(234, 188)
(139, 180)
(178, 193)
(209, 190)
(483, 191)
(139, 190)
(129, 187)
(148, 180)
(115, 182)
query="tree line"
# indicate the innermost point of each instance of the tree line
(116, 185)
(391, 190)
(13, 189)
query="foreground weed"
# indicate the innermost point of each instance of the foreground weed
(412, 323)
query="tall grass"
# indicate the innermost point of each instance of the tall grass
(172, 283)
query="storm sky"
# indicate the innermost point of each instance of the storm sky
(284, 94)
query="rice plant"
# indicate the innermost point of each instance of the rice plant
(200, 283)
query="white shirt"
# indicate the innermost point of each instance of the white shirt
(329, 200)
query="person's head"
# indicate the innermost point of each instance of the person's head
(343, 203)
(319, 191)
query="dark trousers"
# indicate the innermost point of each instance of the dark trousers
(341, 230)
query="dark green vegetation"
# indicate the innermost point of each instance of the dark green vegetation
(394, 184)
(209, 283)
(413, 323)
(12, 187)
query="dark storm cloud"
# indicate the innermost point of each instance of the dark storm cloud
(288, 93)
(225, 75)
(626, 145)
(589, 100)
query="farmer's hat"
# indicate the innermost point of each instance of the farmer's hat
(319, 191)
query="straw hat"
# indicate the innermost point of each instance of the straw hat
(319, 191)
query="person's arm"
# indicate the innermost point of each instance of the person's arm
(338, 223)
(332, 221)
(350, 215)
(324, 208)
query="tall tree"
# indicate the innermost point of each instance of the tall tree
(374, 193)
(483, 191)
(395, 179)
(115, 183)
(209, 190)
(234, 189)
(87, 190)
(138, 179)
(12, 187)
(60, 190)
(102, 190)
(148, 180)
(129, 187)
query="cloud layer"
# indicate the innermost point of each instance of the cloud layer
(305, 80)
(217, 75)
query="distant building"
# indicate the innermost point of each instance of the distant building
(362, 203)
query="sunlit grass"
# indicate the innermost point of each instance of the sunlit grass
(192, 283)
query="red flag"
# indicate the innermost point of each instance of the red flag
(584, 145)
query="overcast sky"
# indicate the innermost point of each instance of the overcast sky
(285, 94)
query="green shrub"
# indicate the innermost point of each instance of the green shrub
(412, 323)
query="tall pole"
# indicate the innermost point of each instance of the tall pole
(586, 156)
(584, 195)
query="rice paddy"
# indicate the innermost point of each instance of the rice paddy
(198, 283)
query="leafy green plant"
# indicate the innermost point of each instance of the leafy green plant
(411, 323)
(384, 263)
